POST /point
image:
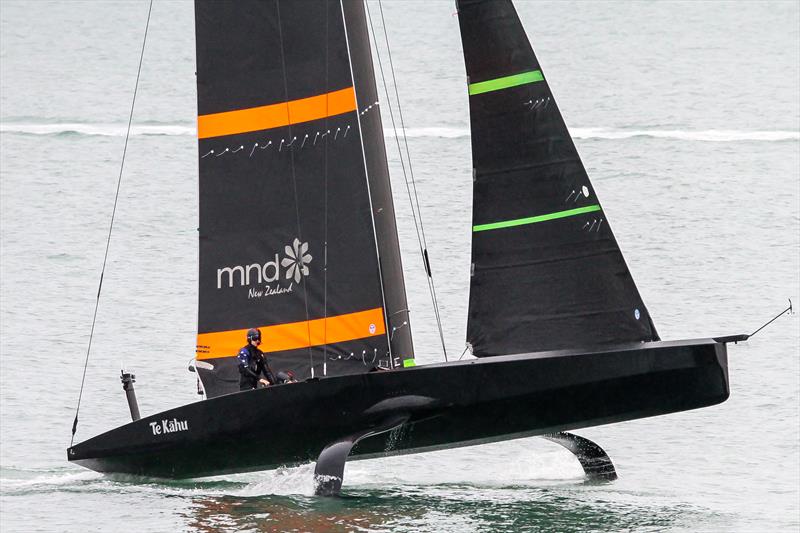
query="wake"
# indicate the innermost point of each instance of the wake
(118, 130)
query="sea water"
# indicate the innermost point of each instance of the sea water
(687, 118)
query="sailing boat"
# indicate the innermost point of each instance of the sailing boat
(297, 237)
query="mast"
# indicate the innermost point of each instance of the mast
(546, 271)
(380, 187)
(297, 228)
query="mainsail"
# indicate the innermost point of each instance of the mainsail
(547, 272)
(297, 227)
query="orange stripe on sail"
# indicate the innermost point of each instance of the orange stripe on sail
(276, 115)
(294, 335)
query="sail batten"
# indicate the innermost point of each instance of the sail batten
(547, 272)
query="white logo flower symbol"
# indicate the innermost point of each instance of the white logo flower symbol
(297, 260)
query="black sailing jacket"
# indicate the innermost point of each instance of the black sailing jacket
(252, 367)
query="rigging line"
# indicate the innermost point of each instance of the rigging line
(464, 352)
(110, 226)
(418, 215)
(369, 191)
(325, 242)
(789, 310)
(396, 137)
(294, 185)
(402, 162)
(414, 186)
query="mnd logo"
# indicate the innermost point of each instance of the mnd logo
(169, 426)
(291, 268)
(297, 260)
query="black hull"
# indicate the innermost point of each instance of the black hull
(445, 405)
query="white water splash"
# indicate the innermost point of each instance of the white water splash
(294, 481)
(49, 480)
(118, 130)
(282, 482)
(538, 463)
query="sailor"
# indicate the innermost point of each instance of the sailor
(253, 367)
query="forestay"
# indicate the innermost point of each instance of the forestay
(547, 272)
(297, 228)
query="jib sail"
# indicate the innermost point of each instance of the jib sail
(297, 229)
(547, 272)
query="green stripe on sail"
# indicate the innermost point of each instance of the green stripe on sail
(505, 82)
(407, 363)
(534, 220)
